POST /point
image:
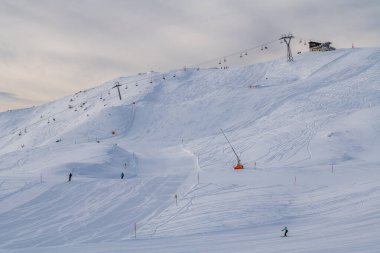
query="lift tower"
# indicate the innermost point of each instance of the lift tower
(287, 39)
(117, 85)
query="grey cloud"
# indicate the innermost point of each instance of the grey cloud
(8, 96)
(11, 97)
(10, 100)
(81, 43)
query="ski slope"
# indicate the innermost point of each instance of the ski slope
(306, 132)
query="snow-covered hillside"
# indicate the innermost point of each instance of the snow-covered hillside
(306, 132)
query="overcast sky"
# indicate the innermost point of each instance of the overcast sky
(53, 48)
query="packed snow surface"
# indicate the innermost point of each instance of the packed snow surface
(307, 133)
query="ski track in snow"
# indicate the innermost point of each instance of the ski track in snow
(301, 119)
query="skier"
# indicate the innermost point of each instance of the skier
(122, 175)
(285, 231)
(70, 175)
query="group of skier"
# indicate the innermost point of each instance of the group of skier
(285, 229)
(71, 175)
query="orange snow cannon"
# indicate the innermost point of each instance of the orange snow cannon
(239, 167)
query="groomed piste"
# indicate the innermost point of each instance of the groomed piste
(307, 134)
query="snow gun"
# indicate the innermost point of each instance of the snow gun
(238, 166)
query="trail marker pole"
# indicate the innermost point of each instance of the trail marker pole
(332, 168)
(135, 230)
(198, 178)
(176, 199)
(295, 180)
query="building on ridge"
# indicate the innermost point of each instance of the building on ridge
(320, 46)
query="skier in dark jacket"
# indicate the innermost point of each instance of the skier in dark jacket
(70, 175)
(122, 175)
(285, 231)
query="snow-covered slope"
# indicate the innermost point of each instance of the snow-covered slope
(307, 133)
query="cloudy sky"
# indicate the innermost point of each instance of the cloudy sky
(53, 48)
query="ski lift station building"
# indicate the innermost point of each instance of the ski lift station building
(320, 46)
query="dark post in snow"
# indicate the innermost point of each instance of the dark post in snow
(117, 85)
(287, 39)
